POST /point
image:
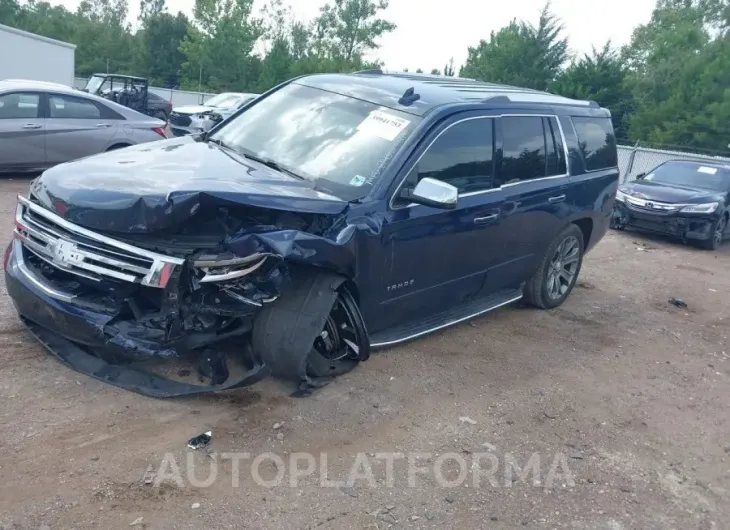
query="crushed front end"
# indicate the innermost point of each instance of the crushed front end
(105, 306)
(661, 218)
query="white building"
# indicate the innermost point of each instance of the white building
(25, 55)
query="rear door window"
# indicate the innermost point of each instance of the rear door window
(555, 149)
(70, 107)
(524, 149)
(597, 142)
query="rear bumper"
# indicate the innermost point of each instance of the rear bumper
(85, 336)
(696, 227)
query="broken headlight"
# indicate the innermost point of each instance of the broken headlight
(253, 280)
(700, 208)
(223, 269)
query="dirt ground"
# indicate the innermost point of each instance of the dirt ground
(618, 400)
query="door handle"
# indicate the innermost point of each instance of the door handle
(559, 198)
(485, 219)
(31, 126)
(102, 125)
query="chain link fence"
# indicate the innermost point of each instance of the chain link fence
(637, 159)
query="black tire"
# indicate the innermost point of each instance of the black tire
(717, 231)
(540, 291)
(615, 226)
(615, 223)
(287, 332)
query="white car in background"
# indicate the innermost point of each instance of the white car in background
(194, 119)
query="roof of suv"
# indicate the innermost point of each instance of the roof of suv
(392, 90)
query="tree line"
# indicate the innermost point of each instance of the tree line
(669, 86)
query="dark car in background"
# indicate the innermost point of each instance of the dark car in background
(158, 106)
(336, 214)
(683, 198)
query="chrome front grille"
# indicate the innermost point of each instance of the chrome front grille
(655, 207)
(77, 250)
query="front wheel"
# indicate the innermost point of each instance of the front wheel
(313, 331)
(556, 276)
(718, 234)
(339, 347)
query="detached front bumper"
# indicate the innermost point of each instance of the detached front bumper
(684, 226)
(194, 126)
(97, 332)
(70, 331)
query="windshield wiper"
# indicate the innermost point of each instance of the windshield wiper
(271, 164)
(220, 143)
(256, 158)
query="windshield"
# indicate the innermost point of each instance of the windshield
(339, 143)
(691, 175)
(223, 100)
(93, 84)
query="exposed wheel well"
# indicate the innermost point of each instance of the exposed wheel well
(352, 289)
(347, 282)
(118, 146)
(586, 226)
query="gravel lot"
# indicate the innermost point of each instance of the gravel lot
(622, 395)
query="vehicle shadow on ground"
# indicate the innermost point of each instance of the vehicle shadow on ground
(669, 241)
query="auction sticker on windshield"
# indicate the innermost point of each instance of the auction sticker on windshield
(708, 170)
(383, 125)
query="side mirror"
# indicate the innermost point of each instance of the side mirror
(434, 193)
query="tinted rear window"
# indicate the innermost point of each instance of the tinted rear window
(597, 142)
(523, 149)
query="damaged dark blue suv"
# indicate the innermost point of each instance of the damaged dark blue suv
(332, 215)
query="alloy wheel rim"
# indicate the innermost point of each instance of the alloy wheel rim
(563, 268)
(338, 340)
(720, 231)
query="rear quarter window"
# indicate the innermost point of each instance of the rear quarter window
(597, 142)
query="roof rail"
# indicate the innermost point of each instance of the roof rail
(375, 71)
(498, 99)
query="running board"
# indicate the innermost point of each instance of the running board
(472, 309)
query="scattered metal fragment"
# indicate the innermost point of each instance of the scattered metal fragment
(200, 441)
(678, 302)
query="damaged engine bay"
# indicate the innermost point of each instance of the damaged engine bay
(230, 261)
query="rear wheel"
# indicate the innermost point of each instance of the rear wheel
(718, 234)
(558, 271)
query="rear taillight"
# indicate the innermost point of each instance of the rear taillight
(8, 254)
(160, 131)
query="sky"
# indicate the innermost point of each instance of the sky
(427, 37)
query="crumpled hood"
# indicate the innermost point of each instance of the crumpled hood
(648, 190)
(157, 185)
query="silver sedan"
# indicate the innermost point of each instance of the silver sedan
(44, 124)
